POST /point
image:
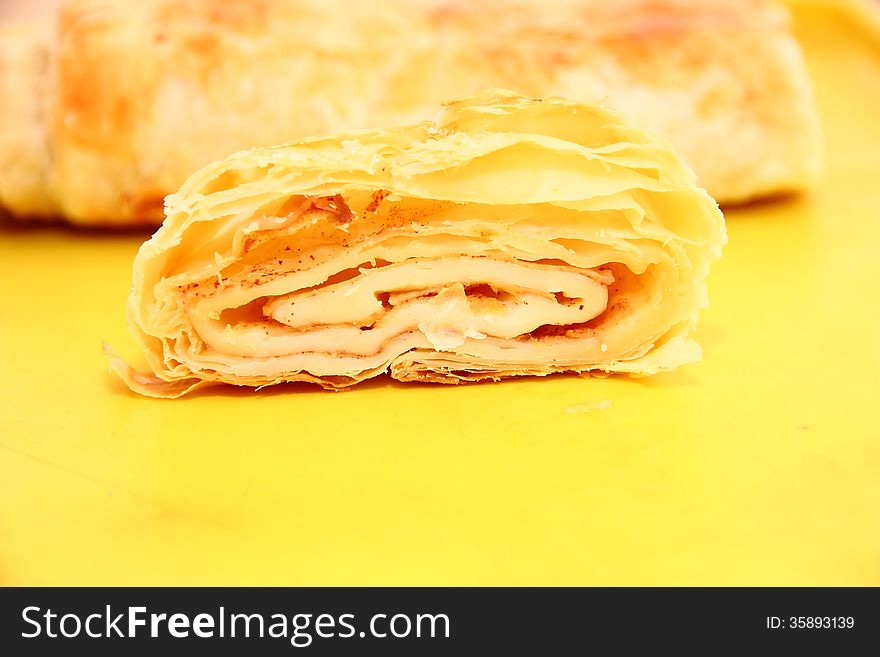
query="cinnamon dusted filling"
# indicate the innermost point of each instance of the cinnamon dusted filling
(284, 306)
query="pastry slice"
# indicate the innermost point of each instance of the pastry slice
(510, 236)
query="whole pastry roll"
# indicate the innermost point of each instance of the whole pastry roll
(510, 236)
(129, 98)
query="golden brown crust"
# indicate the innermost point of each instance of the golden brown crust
(25, 162)
(144, 93)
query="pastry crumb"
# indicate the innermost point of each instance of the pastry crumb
(587, 407)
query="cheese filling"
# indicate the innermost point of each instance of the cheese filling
(315, 289)
(445, 304)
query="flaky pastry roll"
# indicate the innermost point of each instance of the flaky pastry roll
(510, 236)
(133, 97)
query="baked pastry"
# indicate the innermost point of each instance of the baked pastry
(510, 236)
(136, 96)
(25, 163)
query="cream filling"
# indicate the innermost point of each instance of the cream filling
(468, 305)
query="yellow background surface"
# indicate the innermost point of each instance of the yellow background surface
(759, 465)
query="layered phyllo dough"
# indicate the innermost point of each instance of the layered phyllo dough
(509, 236)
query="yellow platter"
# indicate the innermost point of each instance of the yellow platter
(760, 465)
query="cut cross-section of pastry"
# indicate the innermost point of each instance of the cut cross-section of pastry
(510, 236)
